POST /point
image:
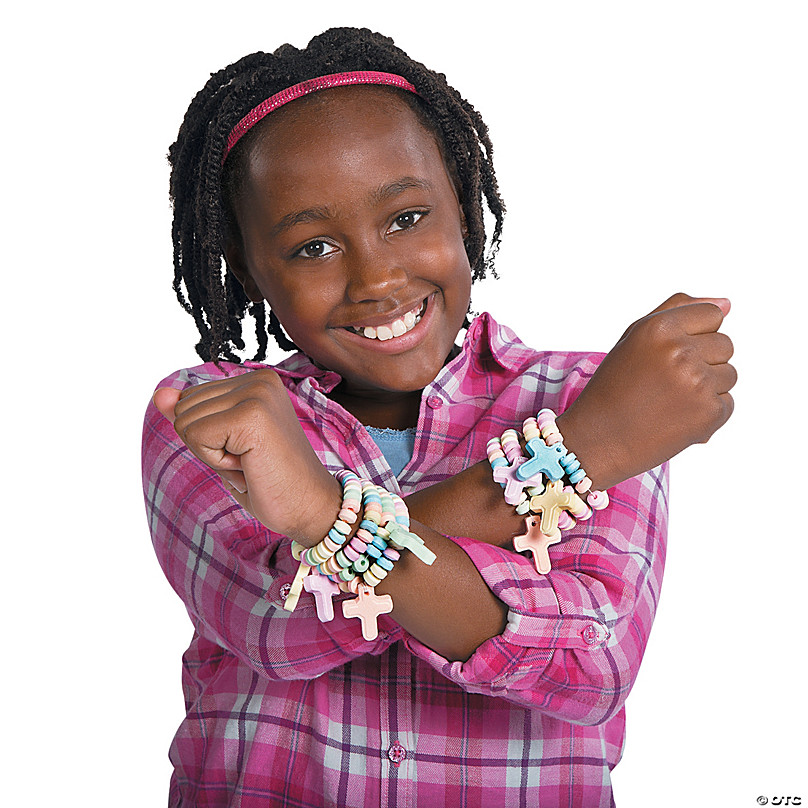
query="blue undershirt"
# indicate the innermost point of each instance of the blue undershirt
(396, 445)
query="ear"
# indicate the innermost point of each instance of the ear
(236, 263)
(464, 228)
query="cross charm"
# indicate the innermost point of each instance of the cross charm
(509, 477)
(543, 458)
(323, 589)
(538, 544)
(550, 503)
(402, 539)
(367, 607)
(297, 587)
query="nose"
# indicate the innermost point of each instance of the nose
(375, 272)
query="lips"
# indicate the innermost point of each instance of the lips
(395, 328)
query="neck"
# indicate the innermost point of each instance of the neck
(393, 411)
(383, 409)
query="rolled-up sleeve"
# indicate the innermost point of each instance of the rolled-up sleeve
(574, 637)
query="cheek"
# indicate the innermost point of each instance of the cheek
(299, 303)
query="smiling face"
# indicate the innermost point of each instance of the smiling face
(351, 229)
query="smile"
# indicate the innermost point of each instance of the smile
(395, 328)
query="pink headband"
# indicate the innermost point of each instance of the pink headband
(304, 88)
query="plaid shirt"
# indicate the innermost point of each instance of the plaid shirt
(285, 710)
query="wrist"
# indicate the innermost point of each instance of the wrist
(595, 447)
(324, 505)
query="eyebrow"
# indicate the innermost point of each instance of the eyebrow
(324, 212)
(391, 189)
(318, 214)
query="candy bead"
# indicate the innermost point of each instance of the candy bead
(385, 563)
(358, 545)
(371, 579)
(576, 476)
(597, 500)
(379, 542)
(361, 564)
(333, 543)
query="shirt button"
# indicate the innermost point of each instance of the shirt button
(396, 753)
(591, 635)
(435, 402)
(284, 591)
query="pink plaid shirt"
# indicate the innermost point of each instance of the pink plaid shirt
(285, 710)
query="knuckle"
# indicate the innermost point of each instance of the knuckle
(656, 328)
(680, 298)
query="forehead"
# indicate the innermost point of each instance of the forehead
(342, 135)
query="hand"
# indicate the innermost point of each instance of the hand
(246, 430)
(663, 387)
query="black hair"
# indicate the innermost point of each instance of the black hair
(202, 186)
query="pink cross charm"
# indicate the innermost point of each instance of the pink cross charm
(367, 607)
(323, 589)
(551, 502)
(508, 476)
(538, 544)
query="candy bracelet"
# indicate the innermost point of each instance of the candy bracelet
(357, 563)
(535, 484)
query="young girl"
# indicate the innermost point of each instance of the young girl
(352, 648)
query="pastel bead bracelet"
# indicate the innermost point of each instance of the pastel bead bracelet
(535, 484)
(597, 500)
(355, 559)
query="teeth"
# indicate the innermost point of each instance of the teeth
(399, 326)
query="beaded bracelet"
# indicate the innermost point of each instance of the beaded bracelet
(557, 505)
(357, 563)
(598, 500)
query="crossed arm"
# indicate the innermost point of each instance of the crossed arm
(664, 386)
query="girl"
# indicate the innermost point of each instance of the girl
(410, 657)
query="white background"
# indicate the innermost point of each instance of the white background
(642, 148)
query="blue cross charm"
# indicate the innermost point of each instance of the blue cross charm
(544, 459)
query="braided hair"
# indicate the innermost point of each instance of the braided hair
(202, 188)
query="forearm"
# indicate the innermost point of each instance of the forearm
(468, 504)
(447, 606)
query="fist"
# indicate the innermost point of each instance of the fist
(246, 430)
(663, 387)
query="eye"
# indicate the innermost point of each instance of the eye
(315, 249)
(406, 220)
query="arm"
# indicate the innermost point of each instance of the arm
(228, 568)
(431, 604)
(574, 638)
